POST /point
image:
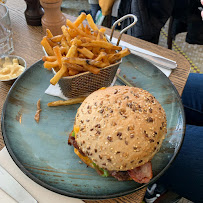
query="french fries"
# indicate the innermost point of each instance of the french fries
(49, 58)
(58, 55)
(64, 42)
(49, 34)
(84, 62)
(101, 56)
(101, 44)
(66, 34)
(91, 22)
(102, 30)
(37, 114)
(58, 75)
(86, 52)
(49, 65)
(47, 46)
(91, 69)
(80, 32)
(114, 57)
(80, 48)
(66, 102)
(72, 51)
(80, 19)
(57, 38)
(75, 67)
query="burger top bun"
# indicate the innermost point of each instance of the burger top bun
(120, 127)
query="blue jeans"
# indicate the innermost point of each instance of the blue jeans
(94, 10)
(185, 176)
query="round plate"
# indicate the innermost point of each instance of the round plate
(41, 151)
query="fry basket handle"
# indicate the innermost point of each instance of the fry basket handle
(125, 29)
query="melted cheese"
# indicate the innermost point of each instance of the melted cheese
(76, 130)
(85, 159)
(102, 88)
(10, 69)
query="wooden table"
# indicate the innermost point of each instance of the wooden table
(27, 45)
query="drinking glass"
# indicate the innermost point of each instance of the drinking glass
(6, 41)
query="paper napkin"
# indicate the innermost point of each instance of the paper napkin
(41, 194)
(164, 64)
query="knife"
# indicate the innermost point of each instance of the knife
(10, 186)
(123, 80)
(156, 60)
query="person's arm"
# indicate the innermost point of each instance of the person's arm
(106, 6)
(202, 11)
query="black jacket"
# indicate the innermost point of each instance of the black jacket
(153, 14)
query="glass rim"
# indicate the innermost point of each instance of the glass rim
(6, 13)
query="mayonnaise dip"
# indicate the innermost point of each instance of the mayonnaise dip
(10, 69)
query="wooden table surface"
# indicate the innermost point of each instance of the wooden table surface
(27, 45)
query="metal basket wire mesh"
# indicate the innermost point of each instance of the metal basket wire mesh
(85, 83)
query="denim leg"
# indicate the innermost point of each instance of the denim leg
(192, 99)
(185, 176)
(94, 9)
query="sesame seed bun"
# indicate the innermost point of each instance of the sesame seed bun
(120, 127)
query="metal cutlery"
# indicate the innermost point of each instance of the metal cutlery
(10, 186)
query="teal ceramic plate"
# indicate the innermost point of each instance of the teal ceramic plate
(41, 151)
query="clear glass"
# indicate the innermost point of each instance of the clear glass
(6, 40)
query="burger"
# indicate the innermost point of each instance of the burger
(118, 130)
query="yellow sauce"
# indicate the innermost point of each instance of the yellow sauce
(76, 130)
(102, 88)
(85, 159)
(10, 69)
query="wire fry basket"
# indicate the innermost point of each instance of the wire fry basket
(85, 83)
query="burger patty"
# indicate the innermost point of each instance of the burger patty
(72, 141)
(120, 175)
